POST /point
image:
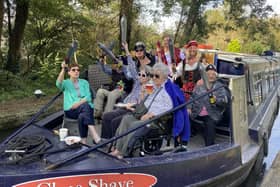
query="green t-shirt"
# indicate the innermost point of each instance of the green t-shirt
(74, 93)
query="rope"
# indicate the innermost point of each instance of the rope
(22, 149)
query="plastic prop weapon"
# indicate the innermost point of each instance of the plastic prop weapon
(171, 50)
(71, 52)
(161, 55)
(110, 47)
(108, 52)
(204, 76)
(123, 28)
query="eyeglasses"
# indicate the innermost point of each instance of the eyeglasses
(139, 50)
(74, 70)
(142, 75)
(155, 75)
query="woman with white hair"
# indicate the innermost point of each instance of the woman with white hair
(111, 120)
(161, 100)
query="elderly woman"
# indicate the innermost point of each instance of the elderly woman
(77, 100)
(161, 100)
(111, 120)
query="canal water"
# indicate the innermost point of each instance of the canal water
(274, 143)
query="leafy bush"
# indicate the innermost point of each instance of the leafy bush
(18, 87)
(255, 47)
(234, 46)
(49, 68)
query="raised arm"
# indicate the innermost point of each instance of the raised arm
(131, 67)
(104, 67)
(60, 77)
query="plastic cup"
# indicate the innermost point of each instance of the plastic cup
(63, 132)
(149, 88)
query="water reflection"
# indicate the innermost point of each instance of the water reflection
(4, 133)
(274, 143)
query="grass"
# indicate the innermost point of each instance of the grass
(16, 87)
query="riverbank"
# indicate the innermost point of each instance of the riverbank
(13, 113)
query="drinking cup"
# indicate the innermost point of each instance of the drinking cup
(63, 132)
(149, 88)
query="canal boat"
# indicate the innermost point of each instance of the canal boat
(241, 142)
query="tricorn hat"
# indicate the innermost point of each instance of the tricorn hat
(191, 43)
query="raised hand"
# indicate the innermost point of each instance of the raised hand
(64, 65)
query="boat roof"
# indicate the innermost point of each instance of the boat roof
(241, 58)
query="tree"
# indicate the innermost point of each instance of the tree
(16, 35)
(1, 28)
(192, 23)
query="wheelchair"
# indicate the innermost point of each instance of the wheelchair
(149, 140)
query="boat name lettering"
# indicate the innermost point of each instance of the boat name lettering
(101, 183)
(47, 184)
(95, 180)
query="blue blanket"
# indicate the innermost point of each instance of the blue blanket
(181, 122)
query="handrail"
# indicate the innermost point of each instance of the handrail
(142, 124)
(227, 53)
(32, 119)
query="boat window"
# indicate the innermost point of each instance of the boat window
(276, 76)
(271, 78)
(258, 88)
(267, 86)
(229, 68)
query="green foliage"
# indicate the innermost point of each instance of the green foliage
(254, 47)
(52, 25)
(49, 68)
(18, 87)
(234, 46)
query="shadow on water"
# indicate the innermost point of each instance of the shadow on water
(5, 133)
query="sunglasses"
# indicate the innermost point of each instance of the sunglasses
(142, 75)
(139, 50)
(154, 75)
(74, 70)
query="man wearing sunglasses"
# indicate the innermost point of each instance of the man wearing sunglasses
(77, 100)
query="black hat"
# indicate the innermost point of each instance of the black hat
(140, 45)
(210, 67)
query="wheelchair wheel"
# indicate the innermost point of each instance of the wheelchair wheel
(152, 145)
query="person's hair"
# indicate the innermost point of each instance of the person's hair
(73, 65)
(167, 36)
(203, 56)
(162, 68)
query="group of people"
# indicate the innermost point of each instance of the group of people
(175, 79)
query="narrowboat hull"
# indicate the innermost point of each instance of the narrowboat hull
(217, 165)
(255, 102)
